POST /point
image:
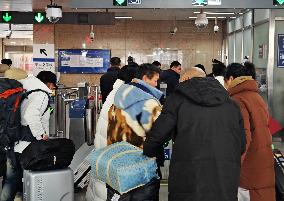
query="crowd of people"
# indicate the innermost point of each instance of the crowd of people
(218, 123)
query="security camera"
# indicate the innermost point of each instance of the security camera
(92, 36)
(216, 29)
(201, 21)
(173, 31)
(53, 13)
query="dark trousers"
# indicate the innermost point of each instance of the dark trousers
(148, 192)
(13, 178)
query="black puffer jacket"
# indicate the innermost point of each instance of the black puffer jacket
(171, 78)
(208, 142)
(107, 81)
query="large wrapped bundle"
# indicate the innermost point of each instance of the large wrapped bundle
(123, 166)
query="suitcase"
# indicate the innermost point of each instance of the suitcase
(81, 166)
(279, 174)
(50, 185)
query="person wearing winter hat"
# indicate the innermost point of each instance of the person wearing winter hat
(35, 124)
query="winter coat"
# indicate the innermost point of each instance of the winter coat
(107, 81)
(100, 191)
(133, 113)
(257, 172)
(209, 139)
(171, 78)
(33, 110)
(136, 107)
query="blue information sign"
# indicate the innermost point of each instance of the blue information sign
(83, 60)
(280, 54)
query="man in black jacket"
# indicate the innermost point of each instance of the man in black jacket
(109, 78)
(171, 77)
(209, 139)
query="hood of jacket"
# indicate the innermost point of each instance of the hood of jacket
(243, 83)
(128, 95)
(204, 91)
(32, 83)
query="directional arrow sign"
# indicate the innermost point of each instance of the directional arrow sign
(43, 51)
(6, 16)
(39, 17)
(278, 2)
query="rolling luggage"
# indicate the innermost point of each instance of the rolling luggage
(48, 185)
(279, 174)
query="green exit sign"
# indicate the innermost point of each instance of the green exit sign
(278, 2)
(120, 2)
(39, 17)
(6, 17)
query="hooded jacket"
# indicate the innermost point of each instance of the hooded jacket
(33, 110)
(257, 173)
(209, 139)
(136, 108)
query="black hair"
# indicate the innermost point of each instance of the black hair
(216, 61)
(47, 77)
(7, 62)
(147, 69)
(201, 67)
(219, 69)
(175, 64)
(235, 70)
(156, 63)
(127, 73)
(250, 69)
(115, 61)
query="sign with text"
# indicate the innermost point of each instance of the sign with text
(134, 2)
(83, 60)
(214, 2)
(280, 53)
(43, 58)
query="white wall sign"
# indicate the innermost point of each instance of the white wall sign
(43, 58)
(214, 2)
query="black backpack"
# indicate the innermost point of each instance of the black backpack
(11, 95)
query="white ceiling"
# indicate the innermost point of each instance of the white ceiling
(26, 31)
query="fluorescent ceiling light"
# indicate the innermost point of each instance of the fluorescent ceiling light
(233, 17)
(123, 17)
(208, 17)
(211, 13)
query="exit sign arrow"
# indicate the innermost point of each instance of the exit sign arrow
(43, 51)
(280, 1)
(39, 18)
(7, 17)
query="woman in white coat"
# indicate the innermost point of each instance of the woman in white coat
(97, 190)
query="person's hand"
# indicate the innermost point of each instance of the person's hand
(45, 137)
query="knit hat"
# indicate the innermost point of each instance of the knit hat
(15, 74)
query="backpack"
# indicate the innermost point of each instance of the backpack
(11, 96)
